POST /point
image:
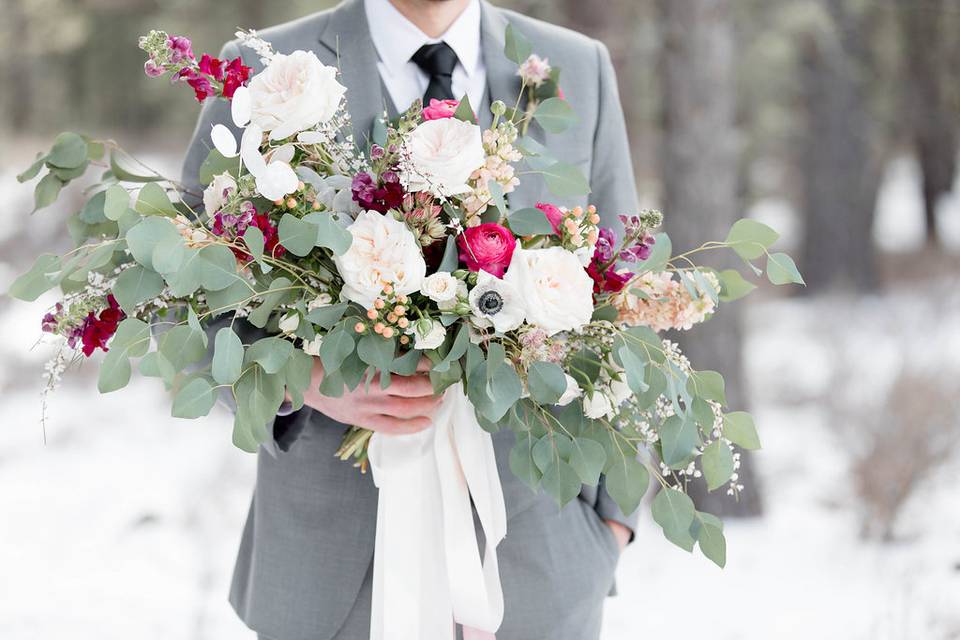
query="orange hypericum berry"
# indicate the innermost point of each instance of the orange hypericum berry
(379, 303)
(577, 212)
(316, 204)
(388, 332)
(291, 203)
(301, 186)
(278, 202)
(404, 339)
(594, 218)
(379, 327)
(359, 327)
(391, 317)
(403, 323)
(372, 314)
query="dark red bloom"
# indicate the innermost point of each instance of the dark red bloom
(236, 75)
(97, 330)
(378, 195)
(271, 239)
(200, 84)
(609, 281)
(211, 66)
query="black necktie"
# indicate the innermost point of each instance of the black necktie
(438, 61)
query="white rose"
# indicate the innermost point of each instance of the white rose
(443, 153)
(557, 291)
(383, 252)
(451, 304)
(312, 347)
(289, 322)
(597, 406)
(495, 302)
(428, 334)
(322, 300)
(440, 287)
(293, 93)
(572, 392)
(218, 193)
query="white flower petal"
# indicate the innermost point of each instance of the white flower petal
(311, 137)
(224, 141)
(282, 154)
(240, 107)
(250, 150)
(276, 181)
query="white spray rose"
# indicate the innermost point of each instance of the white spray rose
(293, 93)
(383, 252)
(572, 392)
(289, 322)
(218, 193)
(557, 291)
(312, 347)
(440, 287)
(443, 154)
(427, 333)
(597, 406)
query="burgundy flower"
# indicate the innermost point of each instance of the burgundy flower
(97, 330)
(488, 247)
(237, 74)
(378, 195)
(180, 48)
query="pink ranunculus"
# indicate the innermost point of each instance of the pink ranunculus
(439, 109)
(488, 247)
(554, 215)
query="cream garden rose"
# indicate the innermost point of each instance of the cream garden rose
(440, 287)
(383, 252)
(218, 193)
(442, 154)
(293, 93)
(557, 291)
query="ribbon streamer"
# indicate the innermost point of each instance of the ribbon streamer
(427, 570)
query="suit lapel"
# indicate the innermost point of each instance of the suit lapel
(347, 36)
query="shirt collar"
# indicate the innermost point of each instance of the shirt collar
(396, 39)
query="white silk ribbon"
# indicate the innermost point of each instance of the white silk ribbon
(427, 570)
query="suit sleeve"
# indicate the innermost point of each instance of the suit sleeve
(614, 192)
(289, 424)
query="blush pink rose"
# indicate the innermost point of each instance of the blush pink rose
(554, 215)
(439, 109)
(487, 247)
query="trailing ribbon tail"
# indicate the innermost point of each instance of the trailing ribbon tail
(427, 572)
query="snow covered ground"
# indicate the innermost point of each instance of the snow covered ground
(125, 523)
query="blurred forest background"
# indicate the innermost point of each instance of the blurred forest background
(835, 121)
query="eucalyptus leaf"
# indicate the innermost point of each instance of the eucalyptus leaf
(626, 480)
(69, 151)
(153, 201)
(733, 285)
(750, 239)
(565, 180)
(546, 382)
(673, 510)
(782, 270)
(516, 45)
(46, 191)
(114, 372)
(116, 202)
(530, 222)
(227, 356)
(678, 438)
(717, 464)
(555, 115)
(195, 399)
(39, 279)
(738, 427)
(560, 482)
(136, 285)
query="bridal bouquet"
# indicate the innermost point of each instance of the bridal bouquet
(372, 257)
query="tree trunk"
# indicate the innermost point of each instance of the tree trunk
(841, 175)
(700, 166)
(930, 117)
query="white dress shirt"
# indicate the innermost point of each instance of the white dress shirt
(396, 39)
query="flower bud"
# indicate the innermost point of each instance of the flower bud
(498, 108)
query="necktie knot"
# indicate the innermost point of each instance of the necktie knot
(437, 59)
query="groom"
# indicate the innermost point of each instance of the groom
(304, 570)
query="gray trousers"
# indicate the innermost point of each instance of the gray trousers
(554, 590)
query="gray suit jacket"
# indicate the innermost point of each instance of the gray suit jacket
(309, 538)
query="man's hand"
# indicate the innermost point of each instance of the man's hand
(620, 533)
(404, 407)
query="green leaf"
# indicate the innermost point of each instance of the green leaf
(33, 170)
(334, 349)
(530, 222)
(551, 447)
(584, 366)
(451, 257)
(750, 239)
(243, 435)
(561, 482)
(327, 316)
(555, 115)
(503, 390)
(673, 510)
(136, 285)
(376, 351)
(521, 461)
(227, 356)
(69, 151)
(496, 195)
(738, 427)
(255, 242)
(546, 382)
(144, 236)
(711, 539)
(516, 45)
(587, 457)
(155, 365)
(733, 285)
(183, 345)
(46, 191)
(626, 481)
(125, 175)
(464, 110)
(40, 278)
(299, 237)
(707, 385)
(634, 369)
(92, 212)
(153, 201)
(218, 267)
(565, 180)
(659, 255)
(678, 439)
(168, 256)
(717, 464)
(114, 372)
(298, 375)
(270, 353)
(195, 399)
(406, 365)
(132, 338)
(782, 270)
(276, 292)
(330, 233)
(116, 202)
(215, 164)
